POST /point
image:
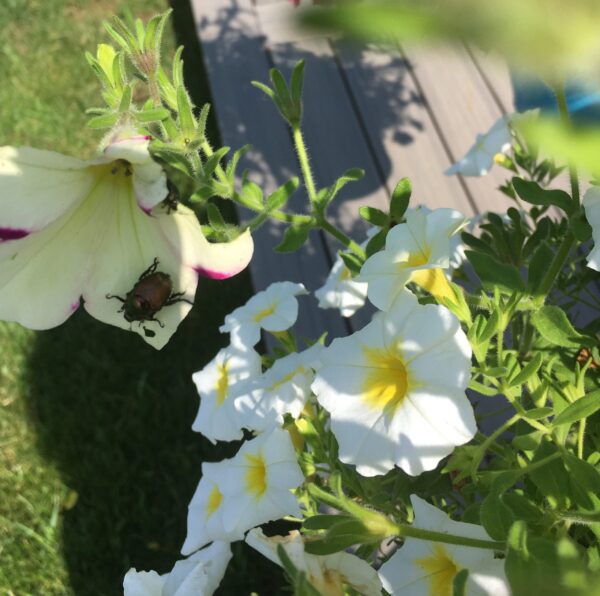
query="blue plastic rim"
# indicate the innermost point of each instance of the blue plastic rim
(583, 100)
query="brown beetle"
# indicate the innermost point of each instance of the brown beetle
(151, 292)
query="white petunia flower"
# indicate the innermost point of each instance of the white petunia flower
(591, 205)
(416, 251)
(205, 511)
(283, 389)
(340, 289)
(72, 230)
(328, 574)
(480, 157)
(218, 383)
(199, 575)
(395, 390)
(421, 568)
(240, 493)
(273, 309)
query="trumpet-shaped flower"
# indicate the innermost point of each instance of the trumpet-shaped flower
(341, 290)
(241, 493)
(205, 511)
(417, 251)
(329, 574)
(591, 204)
(273, 309)
(395, 389)
(199, 575)
(480, 157)
(218, 383)
(421, 568)
(72, 230)
(283, 389)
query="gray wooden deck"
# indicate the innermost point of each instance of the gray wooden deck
(406, 112)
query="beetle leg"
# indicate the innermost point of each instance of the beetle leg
(150, 269)
(109, 296)
(174, 298)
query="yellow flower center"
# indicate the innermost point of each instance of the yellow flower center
(331, 584)
(387, 382)
(435, 282)
(441, 570)
(222, 384)
(346, 274)
(417, 259)
(214, 501)
(277, 384)
(256, 475)
(265, 312)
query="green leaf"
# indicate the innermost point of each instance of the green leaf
(125, 103)
(251, 195)
(376, 243)
(105, 121)
(495, 516)
(329, 546)
(280, 86)
(533, 193)
(374, 216)
(210, 165)
(586, 480)
(215, 219)
(264, 88)
(494, 274)
(522, 507)
(459, 583)
(580, 227)
(186, 115)
(281, 196)
(352, 175)
(297, 81)
(554, 326)
(491, 327)
(538, 266)
(323, 522)
(527, 371)
(295, 236)
(582, 408)
(400, 199)
(351, 261)
(552, 479)
(152, 115)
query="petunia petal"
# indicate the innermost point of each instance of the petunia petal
(130, 245)
(37, 187)
(215, 260)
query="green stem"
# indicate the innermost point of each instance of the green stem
(304, 163)
(580, 438)
(382, 525)
(343, 238)
(563, 110)
(412, 532)
(556, 266)
(540, 463)
(489, 441)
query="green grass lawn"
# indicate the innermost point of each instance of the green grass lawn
(97, 458)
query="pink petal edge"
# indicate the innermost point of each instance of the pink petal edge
(7, 234)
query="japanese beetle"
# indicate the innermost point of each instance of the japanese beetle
(152, 291)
